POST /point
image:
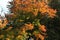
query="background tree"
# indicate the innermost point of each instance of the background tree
(32, 19)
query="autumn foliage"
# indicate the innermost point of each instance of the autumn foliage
(34, 6)
(24, 21)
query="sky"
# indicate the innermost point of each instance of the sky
(3, 7)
